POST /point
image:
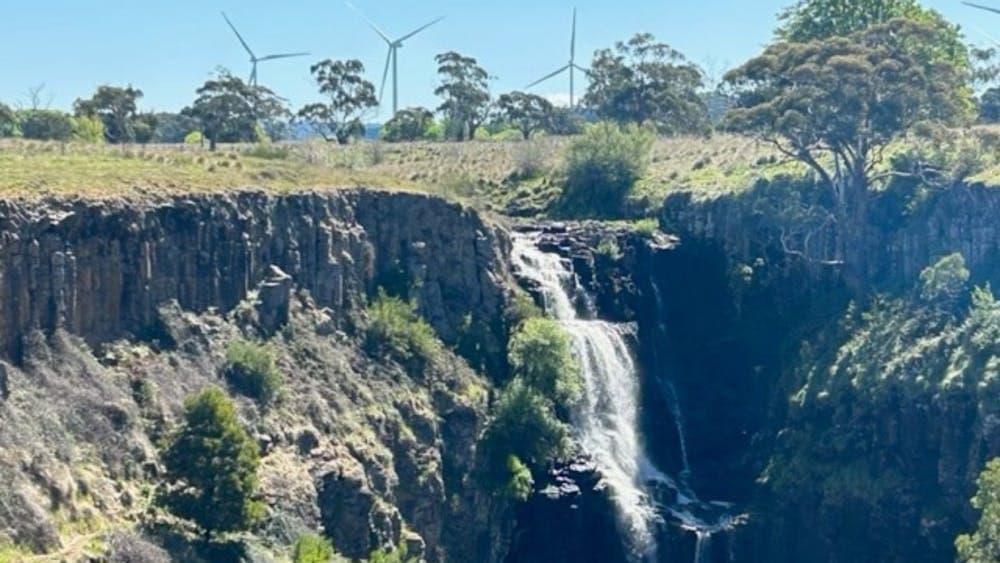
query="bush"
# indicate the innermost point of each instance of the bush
(945, 281)
(397, 555)
(311, 548)
(194, 138)
(602, 167)
(88, 129)
(520, 483)
(213, 464)
(251, 370)
(524, 425)
(540, 355)
(396, 329)
(46, 125)
(410, 124)
(984, 545)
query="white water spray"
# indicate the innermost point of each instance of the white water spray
(607, 419)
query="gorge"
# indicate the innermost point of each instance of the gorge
(738, 407)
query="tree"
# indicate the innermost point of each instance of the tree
(983, 546)
(465, 90)
(116, 107)
(526, 112)
(88, 129)
(565, 121)
(349, 96)
(311, 548)
(8, 122)
(642, 81)
(989, 106)
(46, 125)
(836, 104)
(410, 124)
(229, 109)
(214, 463)
(173, 127)
(540, 354)
(603, 166)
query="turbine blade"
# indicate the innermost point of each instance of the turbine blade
(418, 30)
(981, 7)
(238, 36)
(385, 75)
(572, 41)
(581, 69)
(370, 23)
(548, 76)
(282, 56)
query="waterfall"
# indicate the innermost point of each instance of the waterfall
(606, 421)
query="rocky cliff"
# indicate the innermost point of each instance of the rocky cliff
(112, 312)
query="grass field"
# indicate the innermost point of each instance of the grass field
(504, 175)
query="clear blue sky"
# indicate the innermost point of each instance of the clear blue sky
(168, 48)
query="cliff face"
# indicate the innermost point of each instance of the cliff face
(111, 313)
(100, 270)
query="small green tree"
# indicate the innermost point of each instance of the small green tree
(983, 546)
(603, 166)
(945, 280)
(116, 107)
(312, 548)
(466, 93)
(46, 125)
(250, 368)
(989, 106)
(213, 463)
(526, 112)
(646, 82)
(410, 124)
(229, 110)
(88, 129)
(349, 97)
(540, 354)
(395, 328)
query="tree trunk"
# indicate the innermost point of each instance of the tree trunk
(853, 227)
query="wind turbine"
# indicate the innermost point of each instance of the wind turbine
(572, 67)
(981, 7)
(254, 59)
(393, 56)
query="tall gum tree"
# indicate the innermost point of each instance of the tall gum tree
(835, 105)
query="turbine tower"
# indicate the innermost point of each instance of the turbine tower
(392, 58)
(981, 7)
(572, 67)
(254, 59)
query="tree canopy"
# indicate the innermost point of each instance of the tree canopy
(348, 95)
(8, 122)
(117, 108)
(214, 462)
(466, 93)
(409, 124)
(230, 110)
(525, 112)
(644, 81)
(837, 103)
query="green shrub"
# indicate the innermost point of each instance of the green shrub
(268, 151)
(646, 227)
(524, 425)
(410, 124)
(213, 463)
(251, 369)
(396, 329)
(88, 129)
(194, 138)
(519, 484)
(608, 250)
(540, 355)
(46, 125)
(521, 308)
(397, 555)
(311, 548)
(983, 546)
(944, 281)
(602, 167)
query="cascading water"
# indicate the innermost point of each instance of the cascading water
(607, 419)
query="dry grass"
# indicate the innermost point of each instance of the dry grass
(490, 174)
(477, 171)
